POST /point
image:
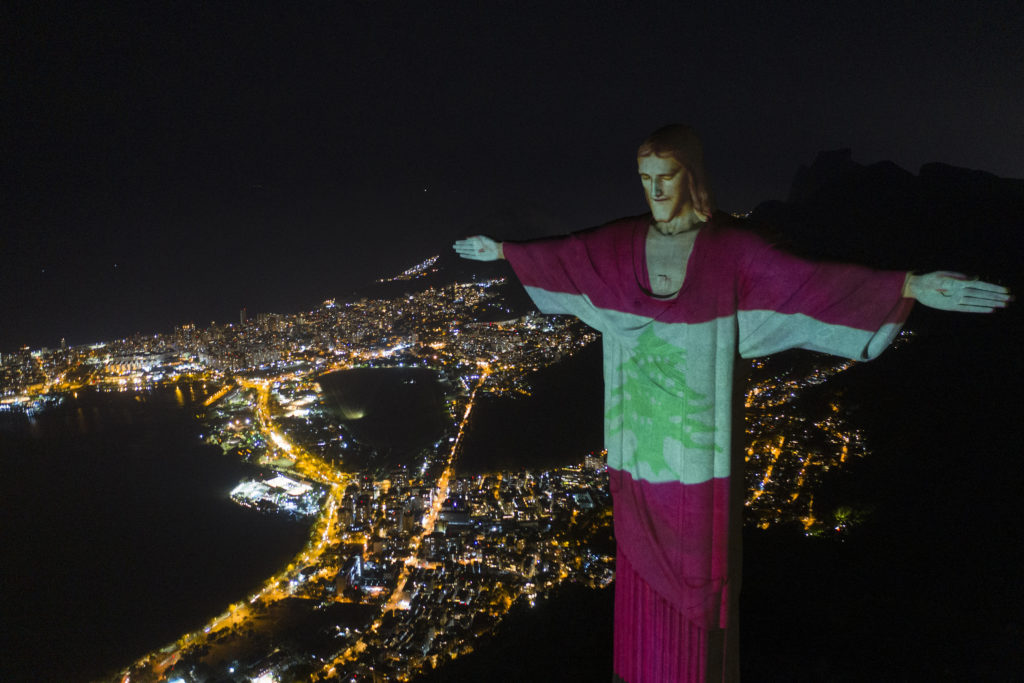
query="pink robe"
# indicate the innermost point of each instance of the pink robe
(670, 393)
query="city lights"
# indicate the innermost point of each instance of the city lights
(431, 560)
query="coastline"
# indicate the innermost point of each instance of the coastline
(99, 492)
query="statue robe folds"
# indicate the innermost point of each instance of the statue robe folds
(673, 448)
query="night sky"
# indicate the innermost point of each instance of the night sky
(171, 165)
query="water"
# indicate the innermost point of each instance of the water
(397, 411)
(118, 533)
(557, 425)
(394, 411)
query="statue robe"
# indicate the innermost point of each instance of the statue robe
(670, 395)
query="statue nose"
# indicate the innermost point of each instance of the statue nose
(657, 189)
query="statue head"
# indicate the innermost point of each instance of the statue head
(671, 165)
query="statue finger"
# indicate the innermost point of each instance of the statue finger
(989, 287)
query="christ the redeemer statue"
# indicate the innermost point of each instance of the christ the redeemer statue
(677, 296)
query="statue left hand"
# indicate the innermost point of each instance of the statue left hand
(955, 292)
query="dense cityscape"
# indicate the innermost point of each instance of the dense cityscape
(408, 564)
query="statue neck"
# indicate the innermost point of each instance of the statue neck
(684, 222)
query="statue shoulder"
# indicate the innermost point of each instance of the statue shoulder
(737, 233)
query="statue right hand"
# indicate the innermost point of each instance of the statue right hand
(479, 248)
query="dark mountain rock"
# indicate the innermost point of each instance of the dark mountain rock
(828, 167)
(884, 216)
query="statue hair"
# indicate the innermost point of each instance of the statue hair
(682, 143)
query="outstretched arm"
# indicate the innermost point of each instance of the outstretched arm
(562, 275)
(479, 248)
(955, 292)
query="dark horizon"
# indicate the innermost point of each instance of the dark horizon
(173, 164)
(131, 301)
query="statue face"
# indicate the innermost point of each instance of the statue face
(665, 184)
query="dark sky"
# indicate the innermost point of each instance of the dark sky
(173, 164)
